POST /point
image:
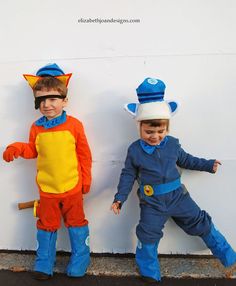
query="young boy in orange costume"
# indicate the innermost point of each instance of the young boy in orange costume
(59, 143)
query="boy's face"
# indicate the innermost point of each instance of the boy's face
(51, 107)
(152, 135)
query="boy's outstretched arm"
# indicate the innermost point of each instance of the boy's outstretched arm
(25, 150)
(116, 207)
(188, 161)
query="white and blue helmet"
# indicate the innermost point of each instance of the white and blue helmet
(151, 101)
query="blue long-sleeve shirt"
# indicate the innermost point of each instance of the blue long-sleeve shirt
(160, 167)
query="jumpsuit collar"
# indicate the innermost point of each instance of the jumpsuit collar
(149, 149)
(43, 121)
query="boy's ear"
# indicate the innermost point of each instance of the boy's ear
(65, 100)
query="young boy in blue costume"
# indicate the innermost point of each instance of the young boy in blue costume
(152, 161)
(63, 155)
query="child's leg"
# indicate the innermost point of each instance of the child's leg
(149, 232)
(72, 211)
(220, 247)
(147, 260)
(195, 221)
(49, 221)
(80, 257)
(187, 214)
(46, 253)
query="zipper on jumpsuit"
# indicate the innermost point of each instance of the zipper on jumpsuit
(160, 163)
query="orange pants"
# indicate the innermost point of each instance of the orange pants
(50, 210)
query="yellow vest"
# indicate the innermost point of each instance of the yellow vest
(57, 164)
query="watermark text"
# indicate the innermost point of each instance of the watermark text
(107, 21)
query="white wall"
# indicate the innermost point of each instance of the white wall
(189, 44)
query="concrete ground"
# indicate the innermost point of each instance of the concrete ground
(121, 266)
(9, 278)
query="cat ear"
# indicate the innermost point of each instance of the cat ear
(173, 106)
(32, 79)
(65, 78)
(132, 108)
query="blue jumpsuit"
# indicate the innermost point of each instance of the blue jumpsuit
(161, 196)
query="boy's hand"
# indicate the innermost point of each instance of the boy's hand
(115, 207)
(215, 166)
(11, 153)
(85, 189)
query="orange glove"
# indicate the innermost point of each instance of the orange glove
(85, 189)
(11, 153)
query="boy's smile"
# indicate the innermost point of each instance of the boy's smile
(51, 107)
(152, 135)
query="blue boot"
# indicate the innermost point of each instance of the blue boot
(80, 252)
(219, 247)
(147, 261)
(46, 252)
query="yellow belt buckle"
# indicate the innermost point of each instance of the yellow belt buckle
(148, 190)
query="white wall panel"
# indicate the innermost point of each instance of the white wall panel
(190, 45)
